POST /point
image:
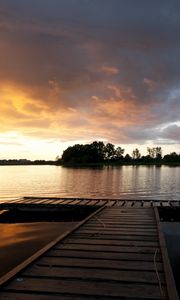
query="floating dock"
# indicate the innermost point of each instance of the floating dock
(118, 252)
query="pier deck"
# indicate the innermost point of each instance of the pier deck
(56, 201)
(114, 254)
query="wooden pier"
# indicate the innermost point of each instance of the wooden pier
(118, 252)
(56, 201)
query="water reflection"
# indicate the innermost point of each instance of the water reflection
(125, 182)
(19, 241)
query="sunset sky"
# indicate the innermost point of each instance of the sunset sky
(75, 71)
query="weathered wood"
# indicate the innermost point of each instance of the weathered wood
(129, 215)
(115, 220)
(130, 211)
(75, 202)
(108, 248)
(80, 287)
(85, 202)
(102, 254)
(99, 274)
(116, 236)
(15, 295)
(92, 202)
(102, 242)
(126, 220)
(121, 225)
(96, 263)
(111, 203)
(110, 257)
(119, 231)
(117, 226)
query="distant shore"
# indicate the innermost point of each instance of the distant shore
(14, 162)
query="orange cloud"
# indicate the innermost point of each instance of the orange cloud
(110, 70)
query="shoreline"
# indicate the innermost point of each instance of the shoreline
(158, 164)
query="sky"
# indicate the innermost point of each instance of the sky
(75, 71)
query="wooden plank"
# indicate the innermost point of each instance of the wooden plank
(110, 203)
(71, 240)
(86, 288)
(96, 263)
(118, 203)
(165, 203)
(125, 228)
(15, 295)
(109, 247)
(129, 217)
(85, 202)
(118, 230)
(114, 275)
(134, 217)
(129, 212)
(86, 253)
(132, 208)
(92, 202)
(47, 201)
(117, 236)
(127, 222)
(129, 204)
(130, 229)
(174, 203)
(137, 204)
(122, 232)
(75, 202)
(126, 218)
(119, 226)
(61, 201)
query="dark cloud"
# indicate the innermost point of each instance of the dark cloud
(64, 53)
(172, 133)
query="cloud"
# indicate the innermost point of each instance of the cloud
(172, 133)
(88, 69)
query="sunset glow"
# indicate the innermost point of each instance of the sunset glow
(78, 71)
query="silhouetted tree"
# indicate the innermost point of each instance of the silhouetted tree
(158, 153)
(151, 152)
(119, 153)
(172, 158)
(127, 158)
(109, 151)
(136, 154)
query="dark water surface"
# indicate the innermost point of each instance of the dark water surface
(172, 236)
(126, 182)
(19, 241)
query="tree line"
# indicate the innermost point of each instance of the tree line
(99, 152)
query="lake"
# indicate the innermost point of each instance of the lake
(122, 182)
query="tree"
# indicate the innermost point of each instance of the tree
(88, 153)
(151, 152)
(127, 158)
(109, 151)
(158, 151)
(155, 152)
(119, 152)
(136, 154)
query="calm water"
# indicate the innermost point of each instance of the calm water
(127, 182)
